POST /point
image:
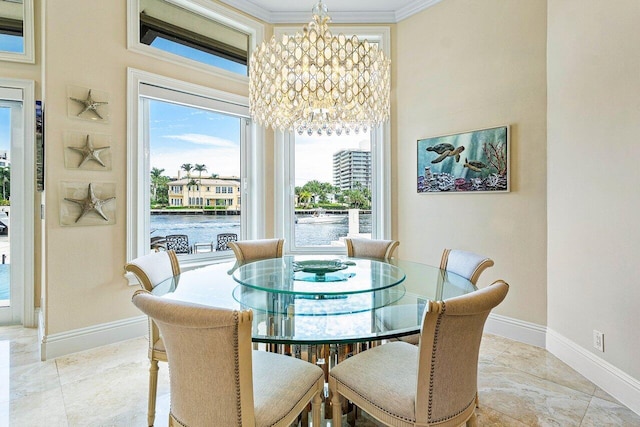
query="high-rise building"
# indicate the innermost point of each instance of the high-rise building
(352, 166)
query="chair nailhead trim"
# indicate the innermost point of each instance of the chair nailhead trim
(473, 402)
(237, 368)
(433, 359)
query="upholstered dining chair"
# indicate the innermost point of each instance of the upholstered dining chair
(217, 379)
(150, 270)
(463, 263)
(369, 248)
(254, 250)
(434, 383)
(466, 264)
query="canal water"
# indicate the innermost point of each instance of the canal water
(205, 228)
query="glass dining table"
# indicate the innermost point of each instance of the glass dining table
(318, 300)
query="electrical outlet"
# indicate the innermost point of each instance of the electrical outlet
(598, 340)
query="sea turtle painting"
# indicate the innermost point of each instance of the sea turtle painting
(474, 165)
(446, 150)
(441, 148)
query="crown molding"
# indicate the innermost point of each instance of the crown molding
(252, 9)
(337, 17)
(413, 8)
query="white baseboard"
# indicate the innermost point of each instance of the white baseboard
(55, 345)
(517, 330)
(617, 383)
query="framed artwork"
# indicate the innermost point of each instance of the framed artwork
(475, 161)
(87, 104)
(87, 150)
(39, 147)
(92, 203)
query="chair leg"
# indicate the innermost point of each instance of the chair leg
(316, 404)
(337, 408)
(153, 388)
(473, 420)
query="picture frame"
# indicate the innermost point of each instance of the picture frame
(475, 161)
(39, 140)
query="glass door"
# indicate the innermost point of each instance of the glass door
(11, 292)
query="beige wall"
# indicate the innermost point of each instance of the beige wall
(462, 65)
(593, 199)
(86, 46)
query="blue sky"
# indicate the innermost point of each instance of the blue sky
(181, 134)
(11, 43)
(5, 122)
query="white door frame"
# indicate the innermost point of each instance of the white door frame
(22, 201)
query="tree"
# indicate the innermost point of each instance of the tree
(5, 177)
(358, 197)
(163, 190)
(156, 175)
(200, 169)
(187, 167)
(319, 189)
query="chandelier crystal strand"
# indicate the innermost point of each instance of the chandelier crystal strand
(315, 82)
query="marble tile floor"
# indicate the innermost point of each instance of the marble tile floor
(519, 385)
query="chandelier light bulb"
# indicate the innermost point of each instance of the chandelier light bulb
(316, 82)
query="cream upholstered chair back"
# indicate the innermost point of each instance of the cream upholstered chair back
(466, 264)
(150, 270)
(369, 248)
(217, 379)
(253, 250)
(209, 351)
(153, 268)
(448, 353)
(432, 384)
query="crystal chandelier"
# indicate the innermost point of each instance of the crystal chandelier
(316, 82)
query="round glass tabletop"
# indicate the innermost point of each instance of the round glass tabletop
(322, 317)
(319, 278)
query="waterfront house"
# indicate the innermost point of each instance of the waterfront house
(564, 74)
(205, 192)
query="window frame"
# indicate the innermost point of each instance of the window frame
(28, 38)
(138, 180)
(22, 308)
(209, 10)
(380, 162)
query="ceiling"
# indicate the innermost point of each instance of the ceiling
(340, 11)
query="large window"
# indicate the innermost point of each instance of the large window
(332, 176)
(194, 33)
(192, 149)
(186, 142)
(331, 187)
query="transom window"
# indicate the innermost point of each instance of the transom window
(194, 33)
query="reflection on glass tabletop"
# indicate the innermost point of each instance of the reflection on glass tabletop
(283, 275)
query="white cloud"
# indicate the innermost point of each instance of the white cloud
(223, 161)
(314, 155)
(198, 138)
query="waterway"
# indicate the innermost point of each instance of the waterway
(205, 228)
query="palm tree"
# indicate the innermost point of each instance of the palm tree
(187, 167)
(156, 174)
(200, 169)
